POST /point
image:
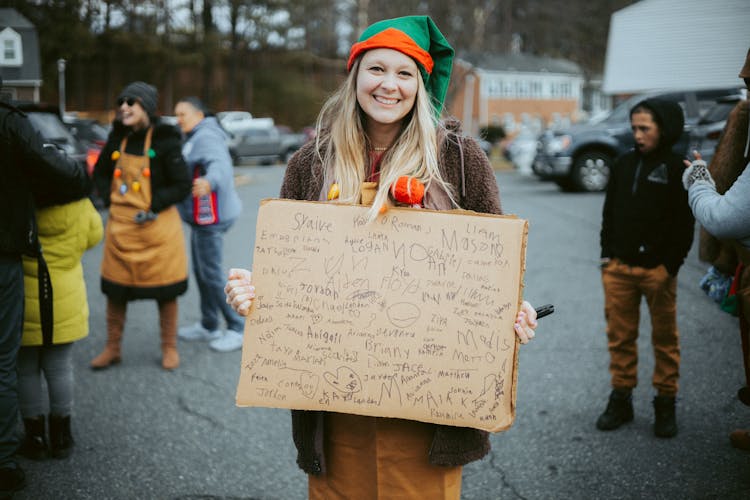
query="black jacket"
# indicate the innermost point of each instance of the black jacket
(31, 168)
(170, 180)
(647, 220)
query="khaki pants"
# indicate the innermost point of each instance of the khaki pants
(623, 288)
(370, 458)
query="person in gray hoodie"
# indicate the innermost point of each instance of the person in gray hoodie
(210, 210)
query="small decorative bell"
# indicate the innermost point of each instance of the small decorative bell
(334, 192)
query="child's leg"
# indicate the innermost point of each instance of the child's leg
(57, 364)
(34, 443)
(30, 382)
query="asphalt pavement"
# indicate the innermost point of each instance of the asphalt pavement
(143, 433)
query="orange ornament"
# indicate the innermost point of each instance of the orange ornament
(117, 173)
(408, 190)
(146, 172)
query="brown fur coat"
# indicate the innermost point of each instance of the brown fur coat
(726, 165)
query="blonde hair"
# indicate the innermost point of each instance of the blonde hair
(342, 144)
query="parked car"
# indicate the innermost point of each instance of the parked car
(91, 133)
(235, 120)
(264, 143)
(580, 157)
(705, 135)
(46, 119)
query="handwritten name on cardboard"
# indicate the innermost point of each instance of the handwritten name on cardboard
(408, 316)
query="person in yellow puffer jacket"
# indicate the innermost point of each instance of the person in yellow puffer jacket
(65, 233)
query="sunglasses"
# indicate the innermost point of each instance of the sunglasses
(129, 100)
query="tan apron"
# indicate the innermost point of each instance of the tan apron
(146, 255)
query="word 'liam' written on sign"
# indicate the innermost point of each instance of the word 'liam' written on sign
(410, 315)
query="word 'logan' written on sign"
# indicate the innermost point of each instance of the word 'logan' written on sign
(410, 315)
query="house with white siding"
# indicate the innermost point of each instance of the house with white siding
(19, 57)
(676, 44)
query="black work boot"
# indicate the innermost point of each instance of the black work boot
(34, 443)
(665, 423)
(619, 411)
(60, 438)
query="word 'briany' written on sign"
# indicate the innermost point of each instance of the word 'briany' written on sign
(409, 316)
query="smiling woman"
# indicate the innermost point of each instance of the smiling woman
(387, 85)
(381, 130)
(140, 175)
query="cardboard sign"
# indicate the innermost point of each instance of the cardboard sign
(408, 316)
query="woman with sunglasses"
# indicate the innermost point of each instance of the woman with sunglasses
(382, 124)
(141, 175)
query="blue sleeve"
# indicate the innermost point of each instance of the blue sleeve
(213, 155)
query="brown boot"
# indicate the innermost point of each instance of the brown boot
(115, 324)
(170, 359)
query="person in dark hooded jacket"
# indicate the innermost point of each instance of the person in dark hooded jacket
(647, 230)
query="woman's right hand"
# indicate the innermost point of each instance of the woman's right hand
(239, 290)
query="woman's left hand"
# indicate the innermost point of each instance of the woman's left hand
(525, 323)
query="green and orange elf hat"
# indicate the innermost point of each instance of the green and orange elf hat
(419, 38)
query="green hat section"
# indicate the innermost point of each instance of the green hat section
(423, 31)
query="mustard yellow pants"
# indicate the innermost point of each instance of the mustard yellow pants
(381, 458)
(624, 286)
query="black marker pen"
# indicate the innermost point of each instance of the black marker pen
(544, 310)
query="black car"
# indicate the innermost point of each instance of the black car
(580, 158)
(92, 134)
(45, 118)
(706, 134)
(87, 130)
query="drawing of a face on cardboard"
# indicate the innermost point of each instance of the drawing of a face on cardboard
(344, 380)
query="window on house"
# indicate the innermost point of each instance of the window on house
(11, 53)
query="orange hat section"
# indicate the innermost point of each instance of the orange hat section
(391, 38)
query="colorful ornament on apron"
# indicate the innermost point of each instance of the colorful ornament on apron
(134, 183)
